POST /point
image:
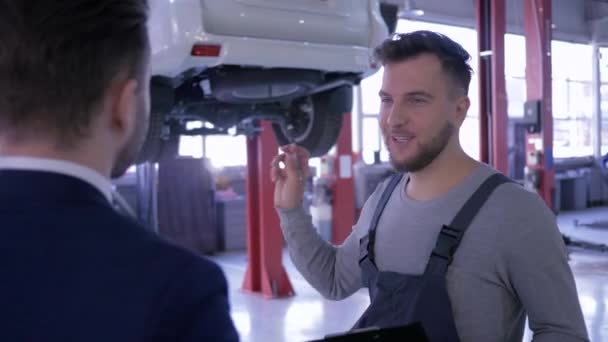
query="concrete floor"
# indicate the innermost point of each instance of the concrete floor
(307, 316)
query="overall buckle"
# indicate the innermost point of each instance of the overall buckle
(447, 242)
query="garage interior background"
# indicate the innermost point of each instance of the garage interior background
(580, 96)
(214, 200)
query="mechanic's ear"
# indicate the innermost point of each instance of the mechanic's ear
(125, 108)
(462, 107)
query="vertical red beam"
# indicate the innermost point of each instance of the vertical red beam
(493, 116)
(537, 28)
(265, 273)
(500, 117)
(253, 275)
(483, 25)
(343, 206)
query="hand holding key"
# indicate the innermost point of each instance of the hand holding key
(289, 172)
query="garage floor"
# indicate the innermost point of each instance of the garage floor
(307, 316)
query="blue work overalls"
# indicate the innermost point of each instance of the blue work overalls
(401, 299)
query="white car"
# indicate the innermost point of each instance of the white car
(230, 62)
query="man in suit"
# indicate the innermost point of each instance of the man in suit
(73, 113)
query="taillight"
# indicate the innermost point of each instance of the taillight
(206, 50)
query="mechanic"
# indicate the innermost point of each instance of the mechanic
(408, 246)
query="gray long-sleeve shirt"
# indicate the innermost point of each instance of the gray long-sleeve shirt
(511, 262)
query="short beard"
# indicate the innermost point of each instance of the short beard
(427, 152)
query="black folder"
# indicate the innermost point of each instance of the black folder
(407, 333)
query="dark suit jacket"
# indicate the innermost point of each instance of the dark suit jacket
(72, 269)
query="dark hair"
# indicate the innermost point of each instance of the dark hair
(58, 58)
(454, 58)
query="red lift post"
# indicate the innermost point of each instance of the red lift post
(343, 206)
(539, 145)
(265, 272)
(493, 116)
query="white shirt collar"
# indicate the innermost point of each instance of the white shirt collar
(81, 172)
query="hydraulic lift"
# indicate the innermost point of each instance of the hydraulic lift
(493, 118)
(265, 272)
(538, 114)
(539, 173)
(343, 188)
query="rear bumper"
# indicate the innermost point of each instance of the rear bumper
(174, 60)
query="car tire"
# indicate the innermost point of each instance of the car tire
(324, 122)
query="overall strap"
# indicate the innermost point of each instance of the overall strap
(386, 195)
(450, 236)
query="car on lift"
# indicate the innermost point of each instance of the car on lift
(228, 63)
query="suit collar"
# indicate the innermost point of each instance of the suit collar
(47, 188)
(62, 167)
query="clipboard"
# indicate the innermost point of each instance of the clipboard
(406, 333)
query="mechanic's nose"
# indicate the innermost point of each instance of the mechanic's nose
(396, 116)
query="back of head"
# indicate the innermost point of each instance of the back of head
(58, 58)
(453, 57)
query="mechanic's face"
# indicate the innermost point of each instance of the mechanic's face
(420, 113)
(128, 154)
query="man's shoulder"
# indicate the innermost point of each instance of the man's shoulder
(142, 245)
(183, 285)
(517, 197)
(510, 194)
(163, 246)
(188, 278)
(517, 211)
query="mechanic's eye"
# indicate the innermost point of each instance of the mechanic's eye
(417, 100)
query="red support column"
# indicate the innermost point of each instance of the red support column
(493, 116)
(265, 273)
(483, 23)
(343, 206)
(539, 146)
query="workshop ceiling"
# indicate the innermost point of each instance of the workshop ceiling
(581, 21)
